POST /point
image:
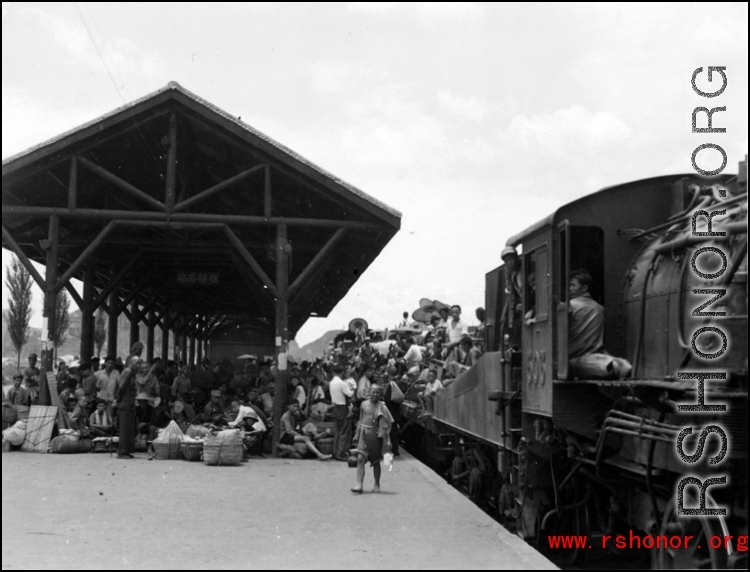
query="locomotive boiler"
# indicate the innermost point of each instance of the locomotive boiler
(553, 453)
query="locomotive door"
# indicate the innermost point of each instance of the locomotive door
(562, 296)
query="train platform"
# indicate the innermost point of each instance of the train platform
(95, 511)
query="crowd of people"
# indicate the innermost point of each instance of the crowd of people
(355, 388)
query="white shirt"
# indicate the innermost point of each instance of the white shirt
(455, 330)
(413, 355)
(107, 384)
(340, 390)
(434, 387)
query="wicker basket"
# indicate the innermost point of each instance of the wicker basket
(226, 448)
(325, 446)
(167, 451)
(192, 451)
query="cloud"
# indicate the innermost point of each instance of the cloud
(471, 107)
(429, 9)
(329, 76)
(122, 55)
(565, 130)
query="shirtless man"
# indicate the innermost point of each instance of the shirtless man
(374, 437)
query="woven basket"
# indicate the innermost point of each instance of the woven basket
(167, 451)
(192, 451)
(226, 448)
(325, 446)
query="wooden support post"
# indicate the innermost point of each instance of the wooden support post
(191, 360)
(150, 336)
(283, 249)
(165, 338)
(73, 187)
(184, 347)
(114, 304)
(135, 325)
(87, 315)
(199, 350)
(49, 308)
(171, 189)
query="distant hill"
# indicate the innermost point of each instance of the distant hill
(314, 349)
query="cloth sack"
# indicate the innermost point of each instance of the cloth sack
(171, 434)
(16, 434)
(397, 396)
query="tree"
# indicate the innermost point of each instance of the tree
(62, 320)
(19, 283)
(100, 330)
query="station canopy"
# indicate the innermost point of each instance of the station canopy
(170, 203)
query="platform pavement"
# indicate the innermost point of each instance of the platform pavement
(96, 512)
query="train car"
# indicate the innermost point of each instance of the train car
(554, 452)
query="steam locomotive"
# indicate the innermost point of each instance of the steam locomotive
(554, 454)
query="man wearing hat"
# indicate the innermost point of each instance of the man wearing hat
(18, 395)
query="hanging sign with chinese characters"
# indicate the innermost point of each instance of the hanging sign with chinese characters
(198, 278)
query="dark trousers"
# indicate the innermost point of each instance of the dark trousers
(128, 429)
(342, 441)
(396, 427)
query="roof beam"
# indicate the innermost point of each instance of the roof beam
(234, 239)
(127, 217)
(123, 185)
(84, 256)
(317, 261)
(8, 240)
(208, 193)
(115, 282)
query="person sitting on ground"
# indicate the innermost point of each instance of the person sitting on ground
(242, 412)
(290, 435)
(77, 416)
(427, 397)
(18, 395)
(252, 420)
(375, 423)
(146, 416)
(100, 422)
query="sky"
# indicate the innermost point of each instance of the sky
(474, 120)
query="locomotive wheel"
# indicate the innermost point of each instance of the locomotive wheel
(573, 522)
(475, 485)
(457, 468)
(699, 554)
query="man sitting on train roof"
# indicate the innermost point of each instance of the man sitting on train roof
(588, 358)
(427, 397)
